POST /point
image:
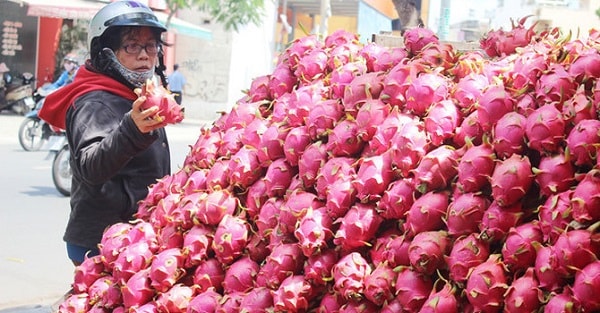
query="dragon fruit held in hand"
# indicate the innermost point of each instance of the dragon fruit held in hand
(156, 95)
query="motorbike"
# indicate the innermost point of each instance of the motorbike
(61, 166)
(33, 131)
(17, 96)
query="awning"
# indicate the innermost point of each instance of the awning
(81, 9)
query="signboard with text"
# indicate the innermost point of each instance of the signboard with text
(18, 38)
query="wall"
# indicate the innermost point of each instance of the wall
(371, 21)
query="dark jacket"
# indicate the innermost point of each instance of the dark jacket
(113, 164)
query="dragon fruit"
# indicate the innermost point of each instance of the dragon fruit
(176, 299)
(585, 198)
(379, 284)
(240, 275)
(156, 95)
(545, 128)
(487, 284)
(209, 274)
(427, 251)
(441, 121)
(427, 213)
(475, 167)
(105, 292)
(554, 174)
(206, 301)
(444, 300)
(585, 287)
(138, 289)
(523, 294)
(520, 247)
(230, 239)
(466, 253)
(317, 269)
(509, 134)
(562, 303)
(412, 288)
(285, 258)
(358, 227)
(511, 179)
(349, 274)
(548, 278)
(574, 249)
(314, 230)
(555, 215)
(397, 199)
(373, 176)
(465, 213)
(87, 273)
(166, 269)
(293, 295)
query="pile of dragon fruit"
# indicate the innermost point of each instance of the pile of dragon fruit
(363, 178)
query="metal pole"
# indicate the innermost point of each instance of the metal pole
(444, 26)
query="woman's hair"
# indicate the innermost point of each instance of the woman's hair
(112, 38)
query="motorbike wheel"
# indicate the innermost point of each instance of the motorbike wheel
(61, 171)
(31, 134)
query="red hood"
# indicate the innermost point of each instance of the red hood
(54, 111)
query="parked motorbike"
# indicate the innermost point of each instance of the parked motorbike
(17, 96)
(34, 132)
(61, 166)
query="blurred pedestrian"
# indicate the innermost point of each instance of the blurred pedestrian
(176, 83)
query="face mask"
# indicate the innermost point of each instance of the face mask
(135, 78)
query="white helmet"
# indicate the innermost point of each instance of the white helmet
(122, 13)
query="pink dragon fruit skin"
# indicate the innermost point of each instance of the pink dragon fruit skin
(341, 195)
(487, 284)
(523, 294)
(240, 275)
(331, 170)
(441, 121)
(176, 299)
(468, 89)
(293, 295)
(257, 300)
(554, 174)
(424, 91)
(409, 145)
(314, 230)
(412, 288)
(548, 278)
(494, 103)
(310, 162)
(113, 241)
(555, 214)
(281, 81)
(427, 213)
(358, 227)
(132, 259)
(349, 274)
(278, 177)
(545, 128)
(497, 220)
(469, 130)
(312, 66)
(374, 174)
(330, 303)
(138, 290)
(465, 213)
(511, 179)
(297, 139)
(209, 274)
(342, 76)
(362, 306)
(509, 135)
(197, 242)
(436, 169)
(317, 269)
(344, 139)
(427, 251)
(322, 118)
(295, 206)
(466, 253)
(582, 142)
(75, 303)
(397, 199)
(166, 269)
(586, 198)
(284, 259)
(244, 167)
(475, 167)
(555, 84)
(586, 286)
(231, 237)
(105, 292)
(385, 131)
(391, 247)
(271, 142)
(562, 303)
(361, 88)
(205, 301)
(379, 285)
(443, 300)
(519, 249)
(87, 273)
(418, 37)
(574, 249)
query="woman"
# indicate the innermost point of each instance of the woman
(117, 150)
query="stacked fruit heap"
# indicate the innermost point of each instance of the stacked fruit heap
(361, 178)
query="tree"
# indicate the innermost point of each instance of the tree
(231, 13)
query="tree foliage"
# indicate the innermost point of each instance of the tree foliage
(231, 13)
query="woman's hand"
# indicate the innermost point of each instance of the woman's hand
(144, 119)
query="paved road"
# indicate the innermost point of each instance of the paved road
(34, 269)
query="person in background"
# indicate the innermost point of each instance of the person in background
(176, 83)
(117, 149)
(70, 64)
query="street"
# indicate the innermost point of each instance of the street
(34, 268)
